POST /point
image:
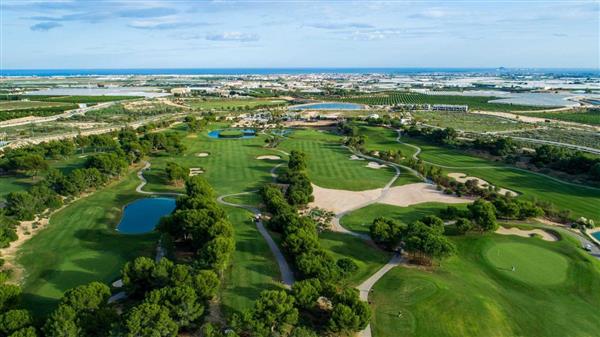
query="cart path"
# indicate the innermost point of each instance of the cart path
(287, 276)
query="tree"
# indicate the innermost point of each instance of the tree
(303, 332)
(14, 320)
(273, 310)
(149, 320)
(25, 332)
(87, 297)
(181, 303)
(343, 320)
(386, 232)
(297, 161)
(176, 173)
(20, 204)
(463, 225)
(9, 296)
(306, 292)
(483, 214)
(62, 323)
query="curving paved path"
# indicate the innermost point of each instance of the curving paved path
(287, 276)
(143, 183)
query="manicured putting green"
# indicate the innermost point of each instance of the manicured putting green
(533, 265)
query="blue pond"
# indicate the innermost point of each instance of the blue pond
(328, 106)
(142, 215)
(596, 235)
(247, 133)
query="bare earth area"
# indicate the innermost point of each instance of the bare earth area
(461, 178)
(526, 233)
(339, 201)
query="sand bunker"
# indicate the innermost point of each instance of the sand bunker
(194, 171)
(355, 157)
(375, 165)
(202, 154)
(268, 157)
(461, 178)
(339, 201)
(526, 233)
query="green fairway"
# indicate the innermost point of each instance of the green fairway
(581, 200)
(80, 245)
(532, 265)
(329, 164)
(253, 266)
(230, 167)
(360, 220)
(469, 296)
(368, 258)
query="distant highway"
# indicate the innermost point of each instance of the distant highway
(66, 114)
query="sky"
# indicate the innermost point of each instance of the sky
(282, 34)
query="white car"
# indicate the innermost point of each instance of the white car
(588, 247)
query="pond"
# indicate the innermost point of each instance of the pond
(142, 215)
(328, 106)
(596, 235)
(232, 133)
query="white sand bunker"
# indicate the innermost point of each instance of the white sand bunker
(461, 178)
(339, 201)
(375, 165)
(355, 157)
(268, 157)
(546, 236)
(194, 171)
(202, 154)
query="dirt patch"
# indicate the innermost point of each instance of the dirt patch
(202, 154)
(461, 178)
(546, 236)
(339, 201)
(417, 193)
(194, 171)
(268, 157)
(375, 165)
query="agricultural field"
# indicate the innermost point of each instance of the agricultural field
(589, 117)
(552, 292)
(78, 99)
(232, 104)
(468, 122)
(21, 105)
(563, 135)
(474, 102)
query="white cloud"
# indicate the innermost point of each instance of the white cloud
(232, 36)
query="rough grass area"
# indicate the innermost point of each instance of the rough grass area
(469, 296)
(80, 245)
(361, 219)
(469, 122)
(368, 258)
(253, 266)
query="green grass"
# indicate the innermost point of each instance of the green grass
(360, 220)
(469, 296)
(80, 245)
(19, 105)
(231, 167)
(588, 117)
(329, 164)
(20, 183)
(253, 266)
(581, 200)
(368, 258)
(533, 265)
(231, 104)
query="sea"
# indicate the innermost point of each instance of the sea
(295, 71)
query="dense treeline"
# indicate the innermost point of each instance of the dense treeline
(163, 298)
(423, 240)
(315, 301)
(111, 155)
(299, 189)
(545, 156)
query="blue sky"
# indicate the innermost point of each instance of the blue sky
(222, 33)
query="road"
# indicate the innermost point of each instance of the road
(66, 114)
